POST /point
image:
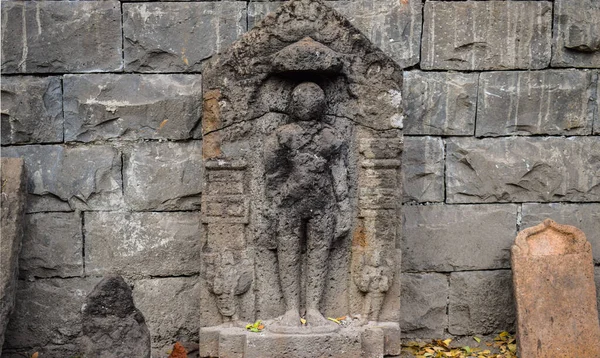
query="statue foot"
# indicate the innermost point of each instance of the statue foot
(317, 323)
(289, 322)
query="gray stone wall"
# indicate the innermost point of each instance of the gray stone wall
(102, 99)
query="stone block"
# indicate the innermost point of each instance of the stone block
(576, 37)
(163, 176)
(61, 36)
(12, 205)
(142, 244)
(131, 106)
(519, 169)
(486, 35)
(423, 169)
(396, 31)
(585, 217)
(48, 313)
(481, 302)
(439, 103)
(177, 37)
(171, 308)
(450, 237)
(423, 305)
(63, 178)
(555, 102)
(32, 110)
(52, 246)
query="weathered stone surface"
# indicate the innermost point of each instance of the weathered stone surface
(171, 308)
(423, 306)
(536, 102)
(586, 217)
(61, 36)
(177, 37)
(12, 205)
(466, 36)
(521, 169)
(423, 169)
(31, 110)
(597, 281)
(451, 239)
(481, 302)
(163, 176)
(52, 246)
(576, 35)
(147, 244)
(553, 275)
(440, 103)
(48, 313)
(63, 178)
(396, 31)
(131, 107)
(112, 326)
(596, 128)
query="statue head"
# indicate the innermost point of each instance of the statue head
(307, 102)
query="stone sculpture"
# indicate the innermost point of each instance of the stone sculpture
(302, 137)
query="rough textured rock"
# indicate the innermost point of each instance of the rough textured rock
(112, 326)
(464, 35)
(553, 275)
(40, 32)
(48, 314)
(481, 302)
(521, 169)
(586, 217)
(171, 308)
(423, 169)
(31, 110)
(440, 103)
(576, 33)
(163, 176)
(131, 107)
(423, 306)
(12, 205)
(449, 237)
(177, 37)
(597, 281)
(63, 178)
(148, 244)
(551, 102)
(52, 246)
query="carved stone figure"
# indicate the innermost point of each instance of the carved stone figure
(373, 274)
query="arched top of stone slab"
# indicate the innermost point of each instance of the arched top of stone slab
(304, 40)
(550, 238)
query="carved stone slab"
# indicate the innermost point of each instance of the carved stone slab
(553, 275)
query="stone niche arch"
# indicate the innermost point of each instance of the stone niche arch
(247, 91)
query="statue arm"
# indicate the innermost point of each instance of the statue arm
(339, 171)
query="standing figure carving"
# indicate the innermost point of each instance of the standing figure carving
(307, 186)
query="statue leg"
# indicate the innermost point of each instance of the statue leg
(288, 257)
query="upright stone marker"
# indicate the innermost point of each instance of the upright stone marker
(553, 275)
(13, 206)
(302, 137)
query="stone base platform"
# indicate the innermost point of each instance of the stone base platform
(373, 340)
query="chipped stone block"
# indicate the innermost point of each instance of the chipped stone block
(450, 237)
(131, 107)
(177, 37)
(163, 176)
(52, 246)
(48, 313)
(31, 110)
(142, 244)
(423, 169)
(481, 302)
(61, 36)
(486, 35)
(423, 306)
(171, 307)
(62, 178)
(554, 102)
(522, 169)
(586, 217)
(576, 37)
